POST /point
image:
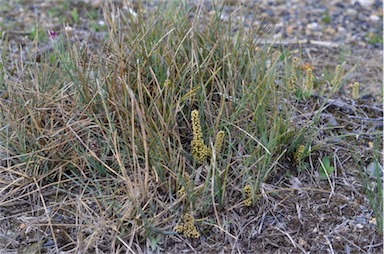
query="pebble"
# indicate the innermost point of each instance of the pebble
(371, 170)
(364, 3)
(346, 22)
(359, 226)
(351, 12)
(374, 18)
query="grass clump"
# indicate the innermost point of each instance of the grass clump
(111, 134)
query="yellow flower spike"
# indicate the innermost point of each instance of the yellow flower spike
(247, 190)
(196, 128)
(337, 77)
(180, 192)
(188, 218)
(179, 228)
(291, 82)
(248, 202)
(295, 62)
(187, 227)
(194, 234)
(248, 193)
(292, 78)
(200, 151)
(167, 83)
(299, 152)
(309, 80)
(338, 68)
(188, 184)
(355, 90)
(219, 141)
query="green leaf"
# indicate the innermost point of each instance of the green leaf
(326, 162)
(325, 168)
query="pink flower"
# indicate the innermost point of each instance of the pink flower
(52, 34)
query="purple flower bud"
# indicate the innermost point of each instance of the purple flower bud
(52, 34)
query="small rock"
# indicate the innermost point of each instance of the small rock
(351, 12)
(359, 226)
(289, 30)
(330, 30)
(364, 3)
(313, 26)
(374, 18)
(372, 221)
(361, 219)
(96, 4)
(277, 36)
(372, 168)
(341, 29)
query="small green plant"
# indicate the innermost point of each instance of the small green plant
(59, 10)
(325, 169)
(375, 38)
(372, 177)
(326, 18)
(37, 33)
(75, 15)
(301, 85)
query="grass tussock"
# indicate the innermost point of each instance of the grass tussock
(100, 144)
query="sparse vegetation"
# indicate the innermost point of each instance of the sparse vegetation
(158, 135)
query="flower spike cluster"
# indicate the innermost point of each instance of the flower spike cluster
(188, 184)
(309, 80)
(247, 191)
(199, 149)
(187, 228)
(219, 141)
(292, 78)
(299, 153)
(355, 90)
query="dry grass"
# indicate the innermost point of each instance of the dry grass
(96, 153)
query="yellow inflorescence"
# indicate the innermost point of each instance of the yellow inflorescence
(219, 141)
(167, 83)
(355, 90)
(337, 77)
(309, 80)
(197, 134)
(180, 192)
(187, 228)
(188, 184)
(292, 78)
(247, 190)
(199, 149)
(248, 202)
(299, 152)
(248, 193)
(295, 61)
